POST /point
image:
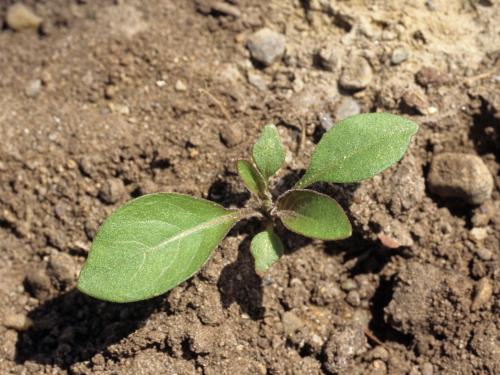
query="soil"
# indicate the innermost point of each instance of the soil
(109, 100)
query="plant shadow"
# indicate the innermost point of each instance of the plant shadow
(239, 283)
(73, 327)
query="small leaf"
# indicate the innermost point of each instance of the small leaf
(358, 148)
(251, 177)
(268, 152)
(152, 244)
(314, 215)
(266, 249)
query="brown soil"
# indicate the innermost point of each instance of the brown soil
(112, 122)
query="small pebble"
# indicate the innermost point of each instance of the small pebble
(427, 368)
(356, 75)
(231, 136)
(329, 58)
(19, 322)
(484, 254)
(161, 83)
(353, 298)
(461, 176)
(38, 284)
(399, 55)
(112, 191)
(346, 108)
(478, 234)
(19, 17)
(266, 46)
(349, 285)
(325, 120)
(180, 86)
(33, 89)
(483, 292)
(415, 99)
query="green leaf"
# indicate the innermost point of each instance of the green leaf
(268, 152)
(253, 179)
(358, 148)
(151, 244)
(314, 215)
(266, 248)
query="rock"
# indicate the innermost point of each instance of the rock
(180, 86)
(347, 107)
(33, 88)
(63, 268)
(38, 284)
(478, 234)
(342, 346)
(225, 9)
(414, 98)
(484, 254)
(231, 136)
(266, 46)
(461, 176)
(112, 191)
(19, 322)
(356, 75)
(399, 55)
(19, 17)
(325, 120)
(483, 291)
(428, 76)
(329, 58)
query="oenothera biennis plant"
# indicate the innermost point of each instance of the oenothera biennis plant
(154, 242)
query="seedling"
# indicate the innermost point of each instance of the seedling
(154, 242)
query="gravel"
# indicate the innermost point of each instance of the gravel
(356, 75)
(266, 46)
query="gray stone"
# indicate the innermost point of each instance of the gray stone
(347, 107)
(19, 17)
(356, 75)
(461, 176)
(399, 55)
(266, 46)
(325, 120)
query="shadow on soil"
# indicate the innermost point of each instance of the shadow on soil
(238, 282)
(73, 327)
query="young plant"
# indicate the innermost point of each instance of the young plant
(154, 242)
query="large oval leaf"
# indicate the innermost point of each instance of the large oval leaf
(313, 214)
(268, 152)
(266, 248)
(151, 244)
(359, 147)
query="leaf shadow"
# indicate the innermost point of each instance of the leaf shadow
(239, 283)
(73, 327)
